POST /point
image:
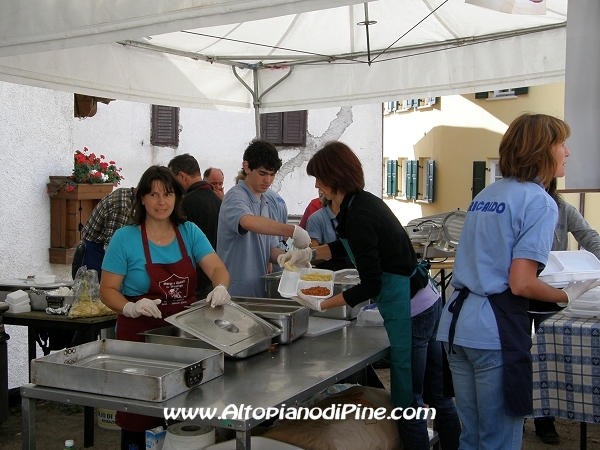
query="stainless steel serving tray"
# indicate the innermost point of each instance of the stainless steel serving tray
(171, 335)
(126, 369)
(229, 327)
(289, 316)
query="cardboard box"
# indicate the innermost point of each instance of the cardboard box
(155, 438)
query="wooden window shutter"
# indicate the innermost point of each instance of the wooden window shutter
(430, 180)
(478, 177)
(412, 179)
(165, 126)
(392, 178)
(285, 129)
(271, 127)
(294, 128)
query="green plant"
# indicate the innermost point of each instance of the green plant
(89, 169)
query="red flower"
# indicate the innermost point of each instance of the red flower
(103, 166)
(69, 188)
(112, 162)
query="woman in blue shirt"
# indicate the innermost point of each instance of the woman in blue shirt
(505, 242)
(149, 272)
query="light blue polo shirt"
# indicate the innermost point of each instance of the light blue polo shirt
(245, 254)
(507, 220)
(320, 226)
(125, 254)
(277, 211)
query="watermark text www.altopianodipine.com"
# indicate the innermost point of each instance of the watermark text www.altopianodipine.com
(333, 412)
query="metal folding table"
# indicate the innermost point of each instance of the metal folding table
(285, 376)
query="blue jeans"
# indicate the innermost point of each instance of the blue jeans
(427, 383)
(477, 379)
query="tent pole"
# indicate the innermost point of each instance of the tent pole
(256, 103)
(256, 99)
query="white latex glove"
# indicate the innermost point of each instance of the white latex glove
(295, 258)
(218, 296)
(309, 301)
(576, 289)
(300, 237)
(143, 306)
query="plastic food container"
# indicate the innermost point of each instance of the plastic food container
(588, 305)
(564, 267)
(291, 282)
(45, 279)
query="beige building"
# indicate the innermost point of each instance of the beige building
(458, 135)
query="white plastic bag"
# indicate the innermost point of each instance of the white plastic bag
(369, 316)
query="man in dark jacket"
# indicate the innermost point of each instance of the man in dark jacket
(201, 206)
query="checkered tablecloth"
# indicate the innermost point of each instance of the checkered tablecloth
(566, 369)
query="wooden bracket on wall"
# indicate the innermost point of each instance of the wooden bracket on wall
(86, 106)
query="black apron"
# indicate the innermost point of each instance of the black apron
(515, 339)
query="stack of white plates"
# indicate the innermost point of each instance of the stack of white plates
(588, 305)
(564, 267)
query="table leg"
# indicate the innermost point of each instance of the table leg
(88, 412)
(243, 440)
(443, 285)
(583, 436)
(88, 426)
(28, 406)
(31, 346)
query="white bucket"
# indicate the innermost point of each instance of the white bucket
(106, 419)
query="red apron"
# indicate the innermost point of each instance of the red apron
(175, 285)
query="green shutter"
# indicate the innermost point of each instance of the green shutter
(521, 91)
(392, 178)
(478, 177)
(412, 179)
(430, 178)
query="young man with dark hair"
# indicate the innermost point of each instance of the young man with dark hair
(247, 236)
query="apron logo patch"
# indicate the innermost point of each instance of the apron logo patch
(175, 287)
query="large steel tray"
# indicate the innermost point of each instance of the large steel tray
(126, 369)
(229, 327)
(172, 335)
(289, 316)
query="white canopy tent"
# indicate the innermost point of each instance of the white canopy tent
(233, 52)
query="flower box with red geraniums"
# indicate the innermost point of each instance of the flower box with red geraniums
(87, 169)
(72, 199)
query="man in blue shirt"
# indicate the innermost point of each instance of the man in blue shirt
(247, 237)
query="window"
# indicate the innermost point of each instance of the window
(285, 129)
(165, 126)
(502, 93)
(494, 174)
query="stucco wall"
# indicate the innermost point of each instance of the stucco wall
(35, 142)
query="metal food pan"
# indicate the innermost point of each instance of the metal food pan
(171, 335)
(135, 370)
(291, 319)
(345, 312)
(228, 327)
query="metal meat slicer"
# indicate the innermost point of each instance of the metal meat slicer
(436, 236)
